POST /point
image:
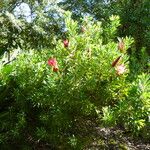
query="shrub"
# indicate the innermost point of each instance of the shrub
(45, 94)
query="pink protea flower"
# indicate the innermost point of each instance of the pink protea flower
(53, 63)
(66, 43)
(120, 69)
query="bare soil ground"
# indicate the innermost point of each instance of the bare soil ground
(93, 137)
(115, 139)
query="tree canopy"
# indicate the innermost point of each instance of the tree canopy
(16, 31)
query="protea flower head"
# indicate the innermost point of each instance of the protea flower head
(66, 43)
(120, 69)
(53, 63)
(83, 29)
(121, 45)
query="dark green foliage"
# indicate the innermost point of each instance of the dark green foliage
(135, 21)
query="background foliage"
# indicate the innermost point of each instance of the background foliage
(33, 31)
(134, 14)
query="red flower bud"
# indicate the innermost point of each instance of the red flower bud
(55, 69)
(115, 61)
(66, 43)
